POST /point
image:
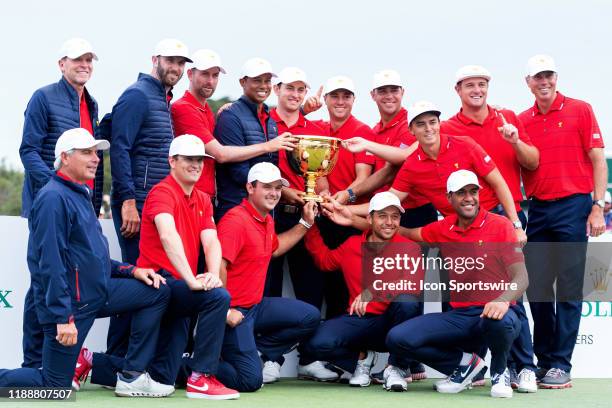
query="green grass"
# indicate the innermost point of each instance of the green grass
(291, 393)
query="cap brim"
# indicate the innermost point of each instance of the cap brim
(72, 56)
(399, 207)
(487, 77)
(339, 88)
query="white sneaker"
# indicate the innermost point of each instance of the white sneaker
(141, 386)
(316, 371)
(361, 376)
(461, 378)
(439, 382)
(395, 379)
(527, 381)
(271, 372)
(500, 385)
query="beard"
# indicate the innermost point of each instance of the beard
(164, 76)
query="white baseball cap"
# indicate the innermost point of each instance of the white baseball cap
(291, 74)
(77, 138)
(386, 77)
(171, 47)
(206, 59)
(459, 179)
(472, 71)
(187, 145)
(540, 63)
(254, 67)
(420, 107)
(266, 173)
(75, 47)
(608, 197)
(385, 199)
(339, 82)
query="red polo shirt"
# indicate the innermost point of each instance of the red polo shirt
(302, 127)
(348, 258)
(85, 123)
(564, 136)
(343, 173)
(428, 176)
(247, 241)
(396, 133)
(190, 117)
(192, 214)
(487, 135)
(488, 233)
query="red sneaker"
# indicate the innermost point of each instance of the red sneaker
(208, 387)
(81, 371)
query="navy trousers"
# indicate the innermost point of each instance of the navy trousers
(211, 308)
(274, 327)
(339, 340)
(58, 362)
(439, 339)
(33, 335)
(556, 315)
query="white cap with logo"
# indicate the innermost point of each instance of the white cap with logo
(187, 145)
(339, 82)
(266, 172)
(254, 67)
(420, 107)
(386, 77)
(472, 71)
(291, 74)
(77, 138)
(75, 47)
(206, 59)
(384, 199)
(459, 179)
(171, 47)
(540, 63)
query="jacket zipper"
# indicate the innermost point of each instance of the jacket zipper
(144, 185)
(78, 292)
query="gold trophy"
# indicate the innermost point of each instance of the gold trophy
(314, 157)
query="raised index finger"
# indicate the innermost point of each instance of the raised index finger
(501, 115)
(320, 92)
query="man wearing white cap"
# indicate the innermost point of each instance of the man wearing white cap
(51, 111)
(177, 219)
(291, 87)
(448, 341)
(191, 114)
(140, 127)
(365, 324)
(247, 122)
(561, 209)
(502, 135)
(270, 325)
(73, 276)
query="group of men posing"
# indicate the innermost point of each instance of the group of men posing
(206, 208)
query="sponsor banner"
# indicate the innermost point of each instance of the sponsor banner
(591, 357)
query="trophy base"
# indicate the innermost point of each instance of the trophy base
(314, 197)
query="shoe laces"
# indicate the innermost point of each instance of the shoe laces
(555, 373)
(362, 368)
(505, 377)
(526, 375)
(318, 365)
(396, 371)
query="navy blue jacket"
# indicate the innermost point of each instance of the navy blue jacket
(51, 111)
(239, 125)
(141, 133)
(67, 254)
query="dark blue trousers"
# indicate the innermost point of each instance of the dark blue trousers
(556, 315)
(339, 340)
(58, 362)
(274, 327)
(119, 327)
(33, 335)
(211, 309)
(439, 339)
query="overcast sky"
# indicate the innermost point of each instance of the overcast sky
(425, 41)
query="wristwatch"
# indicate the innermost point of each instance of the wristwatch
(517, 224)
(600, 203)
(352, 197)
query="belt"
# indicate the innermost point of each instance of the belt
(552, 200)
(288, 209)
